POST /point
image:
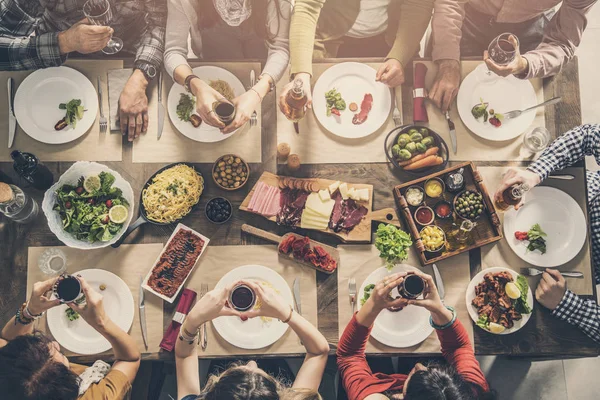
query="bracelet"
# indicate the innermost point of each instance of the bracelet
(21, 318)
(289, 316)
(258, 94)
(449, 324)
(188, 81)
(30, 315)
(186, 336)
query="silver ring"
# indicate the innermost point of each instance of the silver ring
(211, 111)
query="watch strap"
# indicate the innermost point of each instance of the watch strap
(188, 82)
(149, 70)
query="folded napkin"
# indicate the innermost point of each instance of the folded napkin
(419, 111)
(117, 78)
(93, 374)
(188, 297)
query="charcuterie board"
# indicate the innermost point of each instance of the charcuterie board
(349, 223)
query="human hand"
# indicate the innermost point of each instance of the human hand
(272, 305)
(40, 299)
(245, 105)
(445, 86)
(305, 78)
(92, 311)
(380, 296)
(205, 98)
(516, 176)
(431, 298)
(517, 66)
(391, 73)
(133, 106)
(212, 305)
(84, 38)
(551, 289)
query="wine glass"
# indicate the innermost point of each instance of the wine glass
(501, 50)
(98, 12)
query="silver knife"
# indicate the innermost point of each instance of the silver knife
(142, 309)
(297, 298)
(452, 132)
(161, 108)
(438, 281)
(12, 120)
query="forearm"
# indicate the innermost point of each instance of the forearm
(152, 41)
(367, 314)
(313, 340)
(414, 19)
(263, 86)
(447, 25)
(302, 34)
(124, 347)
(14, 329)
(584, 314)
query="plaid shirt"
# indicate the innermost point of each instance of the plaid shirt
(566, 150)
(29, 30)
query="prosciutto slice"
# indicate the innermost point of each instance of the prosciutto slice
(365, 108)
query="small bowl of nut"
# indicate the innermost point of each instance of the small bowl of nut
(230, 172)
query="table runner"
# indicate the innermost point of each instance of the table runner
(358, 261)
(501, 255)
(219, 260)
(129, 262)
(174, 146)
(316, 145)
(470, 146)
(92, 146)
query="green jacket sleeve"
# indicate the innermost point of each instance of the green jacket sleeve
(302, 34)
(414, 17)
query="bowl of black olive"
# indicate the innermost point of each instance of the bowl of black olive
(218, 210)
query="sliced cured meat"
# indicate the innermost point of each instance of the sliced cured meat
(336, 214)
(255, 195)
(268, 197)
(274, 207)
(365, 108)
(354, 214)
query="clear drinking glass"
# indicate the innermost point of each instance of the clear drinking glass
(536, 139)
(98, 12)
(53, 262)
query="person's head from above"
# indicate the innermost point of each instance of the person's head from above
(246, 381)
(33, 368)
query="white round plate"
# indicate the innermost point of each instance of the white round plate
(404, 328)
(352, 80)
(79, 337)
(471, 295)
(255, 333)
(204, 133)
(38, 97)
(559, 216)
(503, 95)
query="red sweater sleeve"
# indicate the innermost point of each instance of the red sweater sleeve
(457, 350)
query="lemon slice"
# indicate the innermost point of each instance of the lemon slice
(496, 328)
(118, 214)
(512, 290)
(92, 183)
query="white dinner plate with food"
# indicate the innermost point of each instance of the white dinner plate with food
(502, 95)
(78, 336)
(259, 332)
(39, 96)
(204, 133)
(353, 81)
(479, 278)
(559, 216)
(407, 327)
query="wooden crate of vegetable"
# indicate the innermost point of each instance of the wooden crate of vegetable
(435, 208)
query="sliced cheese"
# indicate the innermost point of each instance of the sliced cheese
(334, 186)
(363, 194)
(314, 203)
(314, 221)
(310, 225)
(344, 190)
(324, 195)
(312, 214)
(352, 193)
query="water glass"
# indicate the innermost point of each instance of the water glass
(536, 139)
(53, 262)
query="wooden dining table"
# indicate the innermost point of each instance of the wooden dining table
(544, 336)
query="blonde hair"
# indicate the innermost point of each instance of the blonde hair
(299, 394)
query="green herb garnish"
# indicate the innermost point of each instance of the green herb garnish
(74, 111)
(392, 244)
(521, 303)
(185, 107)
(536, 235)
(480, 110)
(333, 98)
(367, 293)
(483, 322)
(72, 315)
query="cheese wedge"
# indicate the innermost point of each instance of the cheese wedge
(344, 190)
(312, 214)
(324, 195)
(334, 186)
(352, 193)
(363, 194)
(323, 208)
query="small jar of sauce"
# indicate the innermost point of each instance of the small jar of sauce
(411, 287)
(242, 298)
(434, 188)
(424, 215)
(455, 182)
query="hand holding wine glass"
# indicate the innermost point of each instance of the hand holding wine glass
(503, 56)
(98, 12)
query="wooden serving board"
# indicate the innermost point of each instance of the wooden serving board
(486, 231)
(271, 237)
(361, 232)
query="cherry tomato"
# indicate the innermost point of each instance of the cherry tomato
(79, 190)
(68, 204)
(109, 203)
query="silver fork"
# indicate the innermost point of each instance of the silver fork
(103, 122)
(352, 292)
(516, 113)
(254, 117)
(536, 272)
(203, 336)
(396, 114)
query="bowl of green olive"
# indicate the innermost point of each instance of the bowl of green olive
(230, 172)
(468, 204)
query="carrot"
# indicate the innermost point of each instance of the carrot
(429, 161)
(429, 152)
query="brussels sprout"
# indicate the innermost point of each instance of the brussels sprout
(404, 136)
(402, 142)
(428, 141)
(421, 148)
(404, 155)
(411, 147)
(416, 137)
(424, 132)
(396, 150)
(412, 131)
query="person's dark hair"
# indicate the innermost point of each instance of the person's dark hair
(443, 383)
(28, 371)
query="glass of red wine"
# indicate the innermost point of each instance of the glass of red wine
(501, 50)
(98, 12)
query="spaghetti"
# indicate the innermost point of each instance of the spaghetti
(172, 194)
(223, 88)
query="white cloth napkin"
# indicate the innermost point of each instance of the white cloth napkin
(117, 78)
(93, 374)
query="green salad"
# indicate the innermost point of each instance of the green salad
(393, 244)
(92, 210)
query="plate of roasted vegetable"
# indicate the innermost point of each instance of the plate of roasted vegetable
(181, 105)
(416, 150)
(499, 300)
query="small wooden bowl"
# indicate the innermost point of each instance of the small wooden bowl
(216, 170)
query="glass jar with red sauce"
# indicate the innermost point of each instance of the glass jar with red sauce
(443, 210)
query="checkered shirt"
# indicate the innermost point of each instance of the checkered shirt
(566, 150)
(29, 30)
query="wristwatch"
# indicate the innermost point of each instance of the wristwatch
(188, 81)
(148, 70)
